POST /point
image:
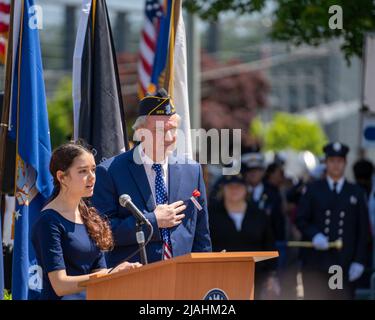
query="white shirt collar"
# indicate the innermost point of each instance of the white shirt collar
(147, 161)
(150, 173)
(340, 183)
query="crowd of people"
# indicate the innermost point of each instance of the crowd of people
(261, 209)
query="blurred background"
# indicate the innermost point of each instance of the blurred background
(314, 91)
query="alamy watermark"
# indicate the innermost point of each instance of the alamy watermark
(336, 20)
(212, 147)
(35, 17)
(335, 281)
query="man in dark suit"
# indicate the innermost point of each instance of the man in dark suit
(333, 209)
(159, 184)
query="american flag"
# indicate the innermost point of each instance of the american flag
(153, 13)
(4, 27)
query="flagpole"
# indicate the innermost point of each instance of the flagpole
(119, 93)
(175, 15)
(4, 125)
(194, 78)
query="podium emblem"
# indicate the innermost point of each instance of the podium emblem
(215, 294)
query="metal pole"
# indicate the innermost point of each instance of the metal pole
(122, 32)
(361, 152)
(69, 35)
(4, 117)
(213, 37)
(140, 236)
(194, 70)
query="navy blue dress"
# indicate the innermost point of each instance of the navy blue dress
(61, 244)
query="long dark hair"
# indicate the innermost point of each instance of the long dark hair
(62, 159)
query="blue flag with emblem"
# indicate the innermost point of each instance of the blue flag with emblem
(169, 70)
(162, 48)
(30, 130)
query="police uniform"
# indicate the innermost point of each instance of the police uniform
(338, 212)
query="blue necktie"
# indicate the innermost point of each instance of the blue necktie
(161, 196)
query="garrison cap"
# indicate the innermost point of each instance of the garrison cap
(253, 160)
(159, 104)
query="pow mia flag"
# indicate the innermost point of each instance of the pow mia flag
(99, 117)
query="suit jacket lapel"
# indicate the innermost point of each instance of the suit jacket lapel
(344, 194)
(174, 182)
(174, 176)
(140, 179)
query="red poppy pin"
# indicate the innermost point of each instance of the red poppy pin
(196, 194)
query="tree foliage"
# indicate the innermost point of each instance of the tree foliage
(232, 102)
(288, 131)
(60, 113)
(210, 9)
(302, 21)
(7, 295)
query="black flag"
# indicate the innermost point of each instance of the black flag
(9, 160)
(99, 117)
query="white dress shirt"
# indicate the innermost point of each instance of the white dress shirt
(257, 191)
(150, 173)
(340, 183)
(237, 218)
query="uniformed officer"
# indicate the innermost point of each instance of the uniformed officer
(333, 209)
(267, 198)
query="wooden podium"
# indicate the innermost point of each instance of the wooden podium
(188, 277)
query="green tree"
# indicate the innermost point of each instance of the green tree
(302, 21)
(60, 113)
(7, 295)
(288, 131)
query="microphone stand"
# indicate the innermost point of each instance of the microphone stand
(141, 241)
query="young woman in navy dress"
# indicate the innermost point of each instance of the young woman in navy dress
(69, 237)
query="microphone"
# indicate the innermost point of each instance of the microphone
(126, 201)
